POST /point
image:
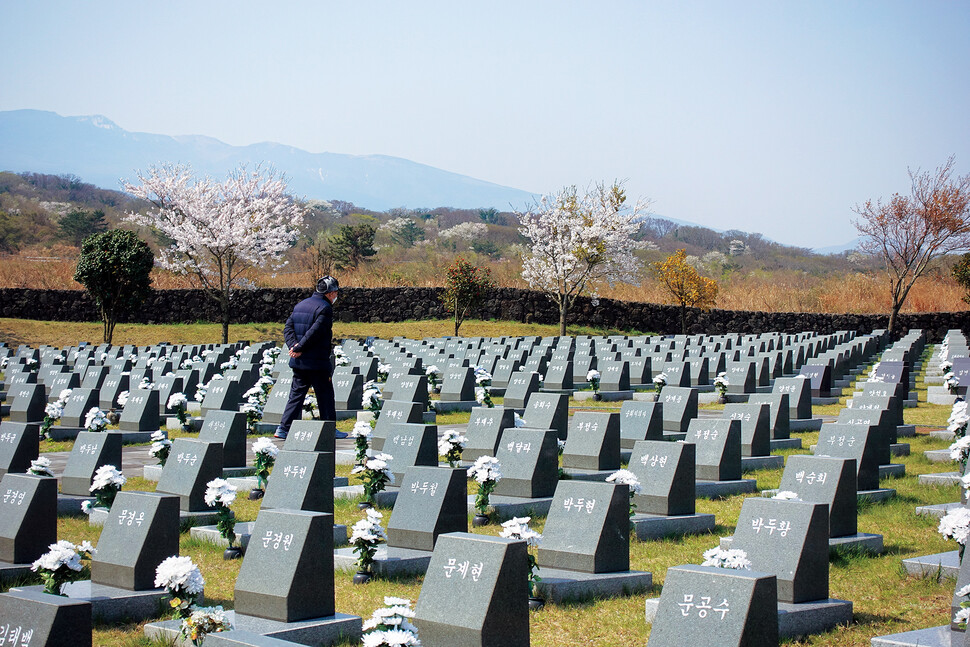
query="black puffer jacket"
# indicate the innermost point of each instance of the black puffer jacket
(309, 331)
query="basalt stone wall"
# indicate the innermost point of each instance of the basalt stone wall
(400, 304)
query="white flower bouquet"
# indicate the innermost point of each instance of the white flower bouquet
(371, 400)
(203, 621)
(432, 373)
(265, 457)
(659, 382)
(310, 405)
(593, 377)
(62, 564)
(374, 475)
(786, 495)
(628, 478)
(960, 617)
(518, 528)
(391, 625)
(734, 558)
(451, 445)
(951, 382)
(721, 384)
(960, 450)
(178, 403)
(53, 412)
(956, 525)
(483, 396)
(382, 371)
(183, 581)
(220, 494)
(487, 471)
(482, 377)
(106, 484)
(95, 420)
(959, 417)
(161, 447)
(365, 536)
(40, 467)
(361, 434)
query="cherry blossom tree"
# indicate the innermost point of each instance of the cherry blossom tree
(578, 241)
(218, 231)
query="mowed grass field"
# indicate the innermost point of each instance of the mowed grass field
(885, 599)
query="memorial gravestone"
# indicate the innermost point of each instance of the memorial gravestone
(227, 428)
(852, 441)
(28, 402)
(522, 385)
(530, 463)
(311, 436)
(348, 390)
(484, 431)
(411, 444)
(588, 528)
(76, 409)
(394, 412)
(222, 395)
(91, 450)
(279, 395)
(113, 385)
(832, 481)
(301, 481)
(799, 394)
(778, 413)
(548, 411)
(593, 442)
(432, 501)
(19, 445)
(558, 377)
(679, 407)
(718, 449)
(820, 376)
(140, 412)
(666, 474)
(476, 592)
(35, 618)
(755, 434)
(741, 377)
(640, 421)
(166, 386)
(190, 466)
(458, 385)
(28, 524)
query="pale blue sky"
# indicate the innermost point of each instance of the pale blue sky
(775, 117)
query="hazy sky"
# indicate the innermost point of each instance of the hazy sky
(775, 117)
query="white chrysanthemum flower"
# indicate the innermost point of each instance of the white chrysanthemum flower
(787, 495)
(518, 528)
(734, 558)
(220, 491)
(964, 592)
(40, 467)
(179, 573)
(107, 476)
(960, 449)
(626, 477)
(486, 468)
(451, 439)
(265, 446)
(362, 429)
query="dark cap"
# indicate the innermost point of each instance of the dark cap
(327, 284)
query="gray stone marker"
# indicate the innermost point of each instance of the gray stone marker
(348, 390)
(679, 407)
(229, 429)
(311, 436)
(755, 433)
(301, 481)
(287, 572)
(44, 619)
(432, 502)
(703, 606)
(504, 368)
(91, 451)
(821, 381)
(166, 386)
(28, 522)
(19, 445)
(190, 466)
(588, 528)
(530, 463)
(789, 539)
(414, 388)
(778, 413)
(476, 592)
(548, 411)
(832, 481)
(799, 392)
(522, 385)
(63, 381)
(666, 474)
(140, 412)
(641, 373)
(94, 377)
(640, 421)
(882, 424)
(741, 377)
(27, 403)
(614, 376)
(593, 442)
(77, 407)
(394, 412)
(222, 395)
(678, 374)
(141, 531)
(411, 444)
(559, 376)
(279, 395)
(484, 431)
(852, 441)
(112, 386)
(458, 385)
(718, 448)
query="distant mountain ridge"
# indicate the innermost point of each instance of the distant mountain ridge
(100, 152)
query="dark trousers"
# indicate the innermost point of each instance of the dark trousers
(302, 381)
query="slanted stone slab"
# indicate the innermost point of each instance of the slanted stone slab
(311, 436)
(229, 429)
(190, 466)
(938, 510)
(301, 481)
(548, 411)
(640, 421)
(522, 385)
(287, 573)
(458, 385)
(484, 431)
(714, 607)
(799, 390)
(832, 481)
(140, 412)
(718, 451)
(141, 531)
(114, 384)
(431, 502)
(588, 528)
(27, 403)
(790, 540)
(348, 390)
(77, 407)
(856, 442)
(941, 636)
(558, 377)
(411, 444)
(475, 593)
(409, 387)
(666, 474)
(91, 450)
(593, 442)
(28, 522)
(755, 432)
(394, 412)
(331, 630)
(48, 620)
(679, 407)
(279, 395)
(222, 395)
(530, 463)
(19, 446)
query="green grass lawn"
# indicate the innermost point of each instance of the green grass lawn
(885, 599)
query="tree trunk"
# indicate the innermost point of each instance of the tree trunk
(457, 323)
(562, 319)
(225, 317)
(893, 313)
(683, 319)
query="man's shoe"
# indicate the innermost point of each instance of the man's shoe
(280, 434)
(340, 434)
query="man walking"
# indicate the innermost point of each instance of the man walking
(309, 336)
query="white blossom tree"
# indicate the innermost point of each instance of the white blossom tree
(218, 231)
(578, 241)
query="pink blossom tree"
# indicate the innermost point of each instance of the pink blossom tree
(218, 231)
(578, 241)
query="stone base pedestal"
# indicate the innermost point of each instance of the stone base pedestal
(754, 463)
(587, 475)
(905, 431)
(778, 444)
(941, 478)
(558, 585)
(860, 542)
(899, 449)
(10, 571)
(877, 496)
(810, 424)
(195, 424)
(64, 433)
(938, 510)
(462, 405)
(110, 604)
(388, 561)
(655, 526)
(939, 565)
(316, 631)
(244, 531)
(717, 489)
(154, 472)
(385, 498)
(69, 504)
(938, 456)
(647, 396)
(822, 402)
(674, 436)
(247, 483)
(893, 470)
(605, 396)
(940, 395)
(506, 507)
(932, 637)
